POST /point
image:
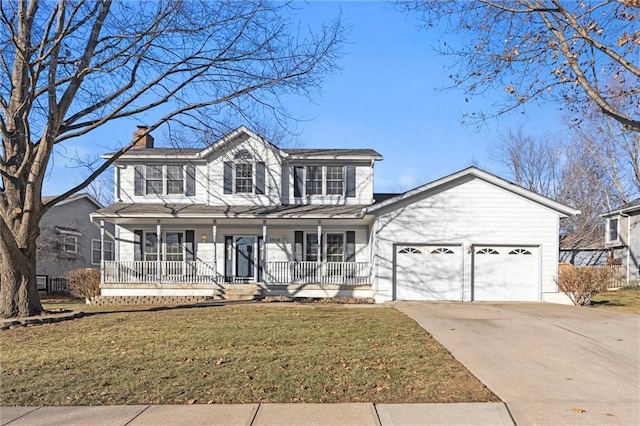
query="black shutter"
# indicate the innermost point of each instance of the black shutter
(350, 251)
(137, 241)
(138, 172)
(298, 181)
(261, 259)
(260, 177)
(228, 258)
(191, 180)
(228, 177)
(189, 237)
(298, 253)
(351, 181)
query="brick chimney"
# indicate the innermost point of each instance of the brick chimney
(145, 141)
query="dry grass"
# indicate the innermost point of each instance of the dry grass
(620, 300)
(232, 354)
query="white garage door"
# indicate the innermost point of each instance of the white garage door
(505, 273)
(428, 272)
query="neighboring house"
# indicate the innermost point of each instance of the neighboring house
(68, 240)
(585, 256)
(622, 238)
(305, 222)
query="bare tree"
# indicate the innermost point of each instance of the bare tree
(575, 52)
(535, 164)
(72, 66)
(615, 152)
(566, 172)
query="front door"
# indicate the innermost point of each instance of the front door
(245, 258)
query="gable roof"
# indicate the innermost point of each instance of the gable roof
(475, 172)
(72, 198)
(243, 133)
(630, 207)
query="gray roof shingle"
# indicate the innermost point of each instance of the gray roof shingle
(311, 211)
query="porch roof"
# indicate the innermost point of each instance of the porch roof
(136, 210)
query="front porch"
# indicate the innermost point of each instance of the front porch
(201, 273)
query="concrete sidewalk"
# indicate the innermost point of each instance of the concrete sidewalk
(261, 415)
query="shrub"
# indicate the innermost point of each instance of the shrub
(581, 283)
(84, 282)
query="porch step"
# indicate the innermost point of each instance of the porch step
(238, 292)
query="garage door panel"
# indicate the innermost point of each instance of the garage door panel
(508, 273)
(428, 272)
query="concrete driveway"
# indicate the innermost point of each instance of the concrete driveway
(551, 364)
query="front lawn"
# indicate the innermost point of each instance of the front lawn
(232, 354)
(627, 300)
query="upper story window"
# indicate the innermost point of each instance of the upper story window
(174, 179)
(68, 241)
(612, 230)
(324, 180)
(314, 180)
(154, 179)
(335, 180)
(244, 175)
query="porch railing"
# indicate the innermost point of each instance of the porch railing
(285, 272)
(147, 272)
(350, 273)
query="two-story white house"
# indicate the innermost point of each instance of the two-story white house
(306, 222)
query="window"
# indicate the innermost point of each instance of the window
(70, 244)
(314, 180)
(95, 251)
(165, 180)
(244, 175)
(173, 248)
(332, 247)
(311, 253)
(612, 230)
(68, 241)
(410, 250)
(487, 251)
(324, 180)
(175, 180)
(151, 247)
(335, 247)
(520, 251)
(244, 178)
(442, 250)
(154, 179)
(335, 179)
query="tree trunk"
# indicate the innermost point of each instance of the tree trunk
(18, 286)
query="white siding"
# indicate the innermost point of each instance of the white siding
(364, 185)
(127, 182)
(261, 152)
(472, 212)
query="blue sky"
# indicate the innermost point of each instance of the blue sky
(388, 96)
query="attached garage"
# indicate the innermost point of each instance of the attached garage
(428, 272)
(470, 236)
(506, 273)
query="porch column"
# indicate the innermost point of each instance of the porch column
(319, 259)
(101, 251)
(158, 252)
(214, 232)
(264, 250)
